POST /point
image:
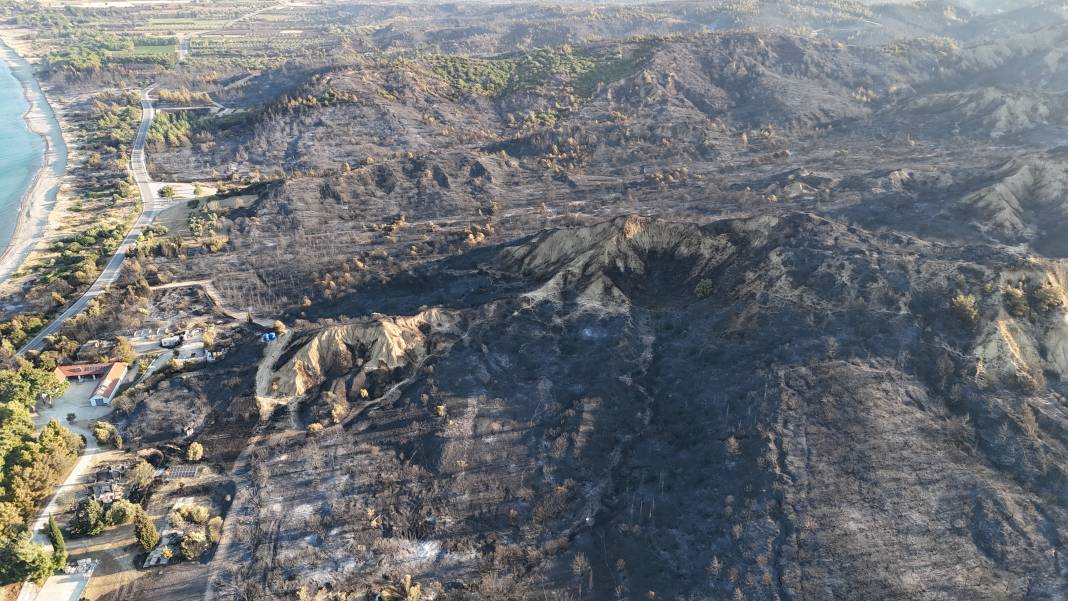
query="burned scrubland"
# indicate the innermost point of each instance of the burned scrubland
(785, 406)
(831, 366)
(362, 170)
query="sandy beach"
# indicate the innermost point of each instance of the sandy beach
(40, 197)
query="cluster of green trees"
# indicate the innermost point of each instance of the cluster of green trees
(21, 559)
(39, 17)
(183, 96)
(202, 221)
(88, 518)
(31, 464)
(154, 241)
(91, 517)
(16, 331)
(199, 529)
(86, 49)
(75, 260)
(108, 236)
(526, 70)
(118, 308)
(77, 59)
(480, 76)
(176, 129)
(80, 255)
(326, 99)
(110, 130)
(145, 56)
(105, 433)
(116, 126)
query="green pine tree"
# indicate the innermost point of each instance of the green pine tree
(21, 560)
(59, 546)
(88, 518)
(145, 531)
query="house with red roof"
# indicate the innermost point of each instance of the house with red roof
(110, 376)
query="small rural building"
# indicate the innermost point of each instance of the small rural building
(94, 350)
(107, 492)
(109, 385)
(110, 376)
(82, 371)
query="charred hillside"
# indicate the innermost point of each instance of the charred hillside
(394, 161)
(375, 107)
(788, 407)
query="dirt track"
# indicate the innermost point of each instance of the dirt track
(220, 302)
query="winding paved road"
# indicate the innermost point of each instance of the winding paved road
(150, 207)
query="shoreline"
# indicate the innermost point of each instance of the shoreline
(39, 198)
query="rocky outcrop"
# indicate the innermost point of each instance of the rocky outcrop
(1026, 196)
(378, 344)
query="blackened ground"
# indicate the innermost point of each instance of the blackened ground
(810, 424)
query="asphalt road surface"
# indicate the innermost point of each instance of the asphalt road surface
(150, 207)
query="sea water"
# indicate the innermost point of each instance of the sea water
(21, 152)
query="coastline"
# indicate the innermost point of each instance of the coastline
(39, 198)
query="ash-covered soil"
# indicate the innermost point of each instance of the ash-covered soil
(787, 407)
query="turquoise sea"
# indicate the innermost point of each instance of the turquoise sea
(21, 150)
